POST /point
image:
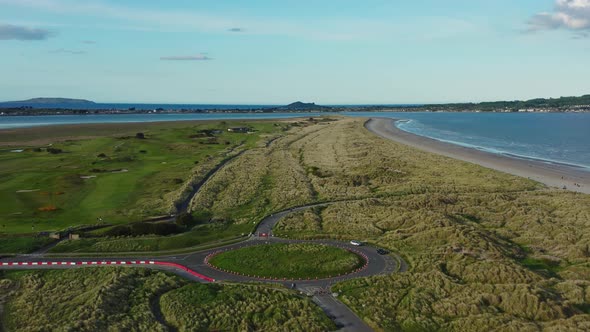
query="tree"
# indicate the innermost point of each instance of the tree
(140, 136)
(185, 219)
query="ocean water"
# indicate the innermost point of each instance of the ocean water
(114, 106)
(551, 137)
(561, 138)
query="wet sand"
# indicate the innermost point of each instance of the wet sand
(552, 175)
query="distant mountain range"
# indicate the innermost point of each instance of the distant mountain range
(39, 101)
(37, 106)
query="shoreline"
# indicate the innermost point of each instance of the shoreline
(552, 175)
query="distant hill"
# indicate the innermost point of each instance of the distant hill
(301, 106)
(53, 101)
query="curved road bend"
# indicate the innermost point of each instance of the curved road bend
(193, 267)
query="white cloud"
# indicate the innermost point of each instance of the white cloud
(66, 51)
(568, 14)
(325, 29)
(198, 57)
(18, 32)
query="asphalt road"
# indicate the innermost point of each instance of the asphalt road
(194, 264)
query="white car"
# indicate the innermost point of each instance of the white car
(356, 243)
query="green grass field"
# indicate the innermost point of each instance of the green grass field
(302, 260)
(200, 234)
(22, 244)
(112, 175)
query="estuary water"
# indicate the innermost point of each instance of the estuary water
(8, 122)
(552, 137)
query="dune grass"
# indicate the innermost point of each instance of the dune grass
(291, 261)
(134, 299)
(486, 250)
(199, 307)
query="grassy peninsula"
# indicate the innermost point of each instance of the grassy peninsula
(485, 249)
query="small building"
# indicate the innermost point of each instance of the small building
(238, 130)
(74, 237)
(55, 236)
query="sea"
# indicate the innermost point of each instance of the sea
(560, 138)
(557, 138)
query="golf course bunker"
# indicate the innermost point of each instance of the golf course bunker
(288, 261)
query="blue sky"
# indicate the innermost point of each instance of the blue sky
(274, 52)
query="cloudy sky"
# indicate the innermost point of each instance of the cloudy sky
(274, 52)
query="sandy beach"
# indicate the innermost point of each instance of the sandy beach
(552, 175)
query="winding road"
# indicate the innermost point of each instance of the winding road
(193, 266)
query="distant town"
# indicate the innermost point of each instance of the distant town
(65, 106)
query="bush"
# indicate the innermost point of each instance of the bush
(142, 228)
(185, 219)
(202, 217)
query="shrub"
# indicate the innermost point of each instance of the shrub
(142, 228)
(185, 219)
